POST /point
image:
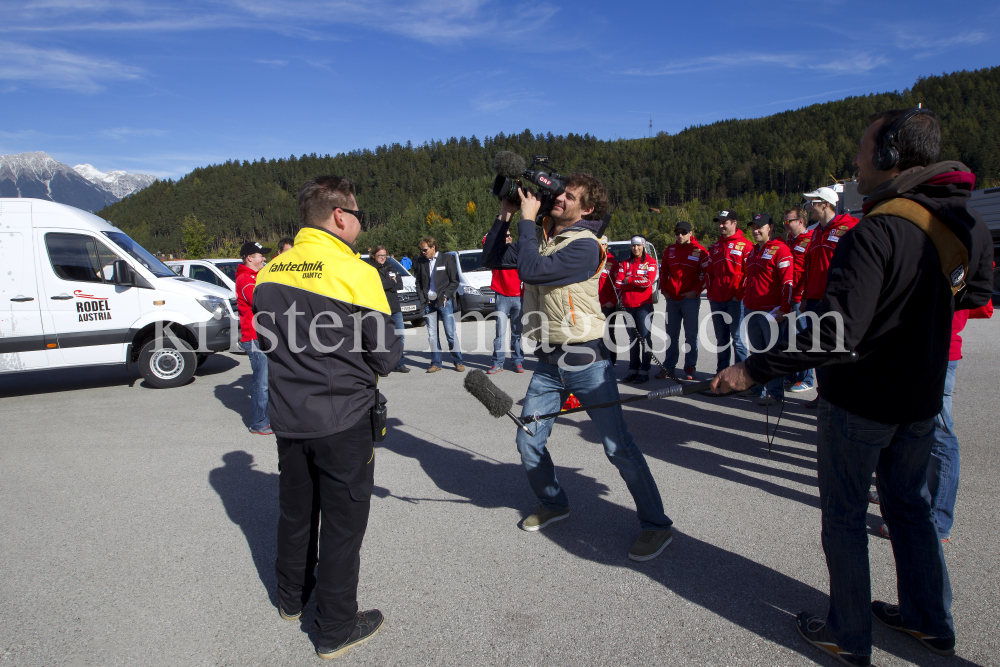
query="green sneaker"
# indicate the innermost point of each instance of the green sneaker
(543, 517)
(650, 544)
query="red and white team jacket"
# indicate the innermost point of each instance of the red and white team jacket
(606, 287)
(820, 250)
(728, 267)
(798, 246)
(634, 280)
(684, 269)
(770, 277)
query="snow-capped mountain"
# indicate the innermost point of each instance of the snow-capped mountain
(119, 183)
(39, 175)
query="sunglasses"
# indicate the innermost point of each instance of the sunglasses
(357, 214)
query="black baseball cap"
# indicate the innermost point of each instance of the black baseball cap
(725, 215)
(761, 219)
(250, 247)
(683, 224)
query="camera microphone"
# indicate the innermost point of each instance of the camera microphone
(509, 165)
(497, 402)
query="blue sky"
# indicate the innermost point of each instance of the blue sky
(164, 87)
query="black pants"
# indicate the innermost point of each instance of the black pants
(333, 475)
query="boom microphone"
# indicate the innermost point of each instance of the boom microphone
(496, 401)
(509, 165)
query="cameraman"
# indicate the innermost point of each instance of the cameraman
(561, 265)
(323, 311)
(889, 298)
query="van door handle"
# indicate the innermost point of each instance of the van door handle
(61, 297)
(22, 299)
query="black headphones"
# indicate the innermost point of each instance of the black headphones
(887, 155)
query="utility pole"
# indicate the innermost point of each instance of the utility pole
(650, 126)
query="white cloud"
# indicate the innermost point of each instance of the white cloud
(855, 64)
(432, 21)
(126, 132)
(61, 69)
(720, 62)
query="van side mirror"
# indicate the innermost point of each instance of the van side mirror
(123, 274)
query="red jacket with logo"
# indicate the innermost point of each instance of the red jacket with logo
(606, 287)
(820, 250)
(684, 269)
(798, 246)
(246, 281)
(724, 278)
(506, 282)
(770, 277)
(634, 280)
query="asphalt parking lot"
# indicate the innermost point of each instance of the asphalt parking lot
(138, 527)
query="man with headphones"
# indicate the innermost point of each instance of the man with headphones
(893, 285)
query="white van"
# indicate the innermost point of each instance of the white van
(474, 280)
(77, 291)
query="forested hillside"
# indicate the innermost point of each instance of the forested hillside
(441, 187)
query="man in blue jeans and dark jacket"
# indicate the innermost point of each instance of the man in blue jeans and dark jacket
(437, 284)
(560, 264)
(895, 280)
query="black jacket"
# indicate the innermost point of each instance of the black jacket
(391, 283)
(885, 281)
(322, 382)
(445, 279)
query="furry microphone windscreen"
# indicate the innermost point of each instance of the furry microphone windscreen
(509, 165)
(496, 401)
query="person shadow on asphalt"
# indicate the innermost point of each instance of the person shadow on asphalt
(742, 591)
(250, 498)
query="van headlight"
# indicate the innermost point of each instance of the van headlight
(472, 291)
(215, 305)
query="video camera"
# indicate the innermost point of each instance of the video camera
(511, 174)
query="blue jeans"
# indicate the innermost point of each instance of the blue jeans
(259, 416)
(726, 332)
(549, 388)
(943, 469)
(761, 338)
(849, 449)
(806, 376)
(397, 320)
(508, 308)
(640, 355)
(686, 311)
(447, 316)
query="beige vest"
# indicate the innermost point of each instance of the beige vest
(567, 313)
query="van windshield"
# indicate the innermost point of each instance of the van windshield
(470, 261)
(141, 255)
(228, 268)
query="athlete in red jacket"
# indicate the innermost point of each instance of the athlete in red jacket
(684, 267)
(507, 285)
(798, 242)
(634, 280)
(608, 295)
(823, 208)
(832, 227)
(246, 280)
(724, 282)
(768, 297)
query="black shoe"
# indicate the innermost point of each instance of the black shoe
(813, 404)
(813, 629)
(888, 615)
(401, 369)
(367, 626)
(631, 377)
(641, 378)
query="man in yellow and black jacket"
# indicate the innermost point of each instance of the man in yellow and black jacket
(327, 332)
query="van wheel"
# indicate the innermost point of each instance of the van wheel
(417, 321)
(170, 365)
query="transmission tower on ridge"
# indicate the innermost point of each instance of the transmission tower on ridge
(650, 126)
